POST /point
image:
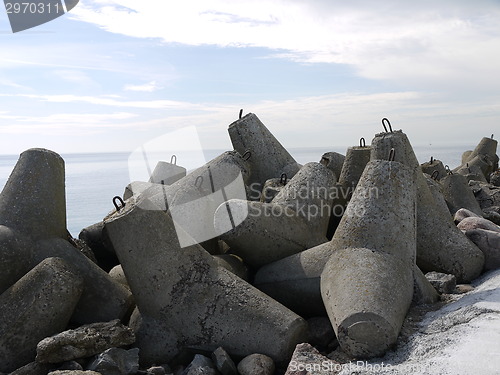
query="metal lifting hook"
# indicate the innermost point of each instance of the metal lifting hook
(122, 203)
(385, 120)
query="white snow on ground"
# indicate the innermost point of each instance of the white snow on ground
(462, 338)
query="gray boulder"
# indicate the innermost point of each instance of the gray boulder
(442, 282)
(116, 361)
(489, 243)
(256, 364)
(470, 223)
(224, 362)
(306, 360)
(200, 365)
(84, 341)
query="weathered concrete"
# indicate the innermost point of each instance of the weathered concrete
(118, 275)
(136, 188)
(271, 188)
(356, 159)
(434, 168)
(167, 173)
(437, 193)
(33, 199)
(488, 147)
(40, 304)
(458, 195)
(440, 245)
(333, 161)
(267, 157)
(16, 255)
(219, 305)
(233, 264)
(83, 342)
(295, 220)
(193, 200)
(92, 236)
(473, 170)
(367, 285)
(423, 291)
(103, 299)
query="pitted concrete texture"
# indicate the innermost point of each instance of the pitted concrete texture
(186, 300)
(267, 157)
(40, 304)
(458, 194)
(441, 246)
(367, 284)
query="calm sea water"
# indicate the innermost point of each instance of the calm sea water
(92, 180)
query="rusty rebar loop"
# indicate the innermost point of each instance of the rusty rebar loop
(199, 178)
(492, 136)
(468, 168)
(120, 200)
(283, 179)
(435, 175)
(173, 159)
(447, 169)
(240, 114)
(432, 160)
(247, 155)
(384, 121)
(392, 154)
(362, 142)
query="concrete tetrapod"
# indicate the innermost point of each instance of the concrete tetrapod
(186, 300)
(441, 246)
(193, 200)
(33, 207)
(457, 193)
(367, 285)
(296, 219)
(167, 173)
(40, 304)
(267, 157)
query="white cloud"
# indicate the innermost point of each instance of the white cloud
(438, 42)
(147, 87)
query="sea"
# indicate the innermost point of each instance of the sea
(93, 179)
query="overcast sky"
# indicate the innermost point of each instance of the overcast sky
(111, 75)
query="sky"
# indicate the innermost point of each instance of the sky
(111, 75)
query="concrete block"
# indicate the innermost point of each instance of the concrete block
(489, 243)
(367, 284)
(83, 342)
(423, 291)
(434, 168)
(356, 159)
(167, 173)
(40, 304)
(186, 300)
(333, 161)
(267, 157)
(458, 194)
(136, 188)
(33, 199)
(271, 188)
(441, 246)
(295, 220)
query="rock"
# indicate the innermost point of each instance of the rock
(320, 331)
(470, 223)
(200, 365)
(367, 284)
(306, 360)
(84, 341)
(462, 214)
(492, 214)
(423, 291)
(441, 246)
(159, 370)
(116, 361)
(186, 300)
(74, 372)
(463, 288)
(33, 368)
(256, 364)
(489, 243)
(442, 282)
(495, 178)
(40, 304)
(70, 365)
(487, 195)
(223, 362)
(267, 157)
